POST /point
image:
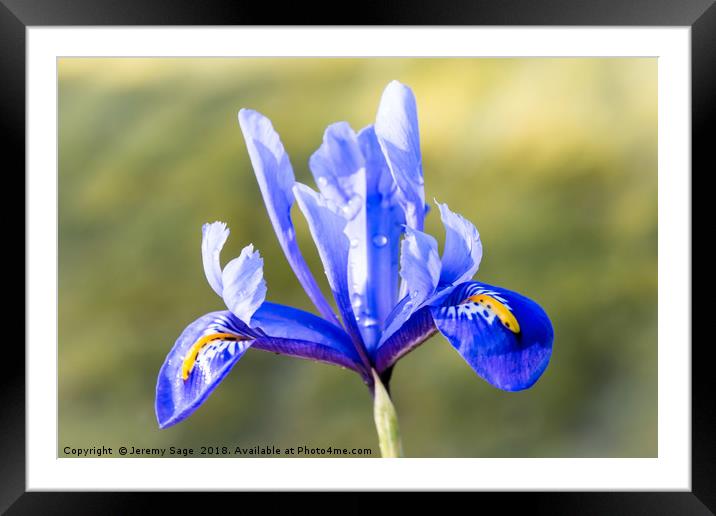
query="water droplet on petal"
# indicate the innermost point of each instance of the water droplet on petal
(414, 294)
(380, 240)
(352, 207)
(369, 322)
(322, 181)
(354, 242)
(356, 301)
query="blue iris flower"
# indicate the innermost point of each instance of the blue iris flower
(392, 288)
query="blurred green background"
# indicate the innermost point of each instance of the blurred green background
(554, 160)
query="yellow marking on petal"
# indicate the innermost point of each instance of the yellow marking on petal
(503, 313)
(190, 359)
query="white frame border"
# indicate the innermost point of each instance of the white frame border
(670, 471)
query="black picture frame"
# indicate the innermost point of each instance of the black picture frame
(700, 15)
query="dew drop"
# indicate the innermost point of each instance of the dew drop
(322, 181)
(354, 242)
(380, 240)
(369, 322)
(356, 301)
(352, 207)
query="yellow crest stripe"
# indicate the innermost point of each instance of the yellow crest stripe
(503, 313)
(190, 359)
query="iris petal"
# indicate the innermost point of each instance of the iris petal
(420, 270)
(463, 248)
(339, 170)
(244, 285)
(396, 126)
(275, 178)
(178, 398)
(483, 333)
(213, 238)
(277, 328)
(299, 334)
(416, 330)
(419, 264)
(384, 221)
(285, 322)
(327, 229)
(351, 172)
(338, 167)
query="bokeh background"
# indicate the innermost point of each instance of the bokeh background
(554, 160)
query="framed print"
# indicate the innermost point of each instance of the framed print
(428, 251)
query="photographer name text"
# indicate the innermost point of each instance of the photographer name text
(215, 451)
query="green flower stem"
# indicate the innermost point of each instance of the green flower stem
(386, 421)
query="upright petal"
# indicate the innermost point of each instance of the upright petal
(396, 127)
(420, 270)
(351, 173)
(210, 346)
(338, 167)
(419, 265)
(339, 170)
(463, 248)
(275, 177)
(384, 227)
(505, 337)
(214, 237)
(244, 285)
(327, 229)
